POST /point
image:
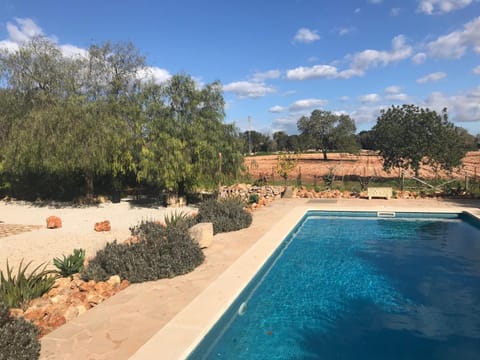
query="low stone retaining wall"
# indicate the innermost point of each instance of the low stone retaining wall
(244, 191)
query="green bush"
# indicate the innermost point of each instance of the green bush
(71, 264)
(226, 215)
(179, 220)
(253, 199)
(18, 337)
(162, 252)
(16, 290)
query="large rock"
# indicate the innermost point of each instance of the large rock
(68, 299)
(54, 222)
(202, 233)
(103, 226)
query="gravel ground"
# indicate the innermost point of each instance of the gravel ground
(41, 245)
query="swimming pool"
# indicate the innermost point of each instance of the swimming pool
(351, 285)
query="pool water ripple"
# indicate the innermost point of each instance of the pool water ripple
(365, 288)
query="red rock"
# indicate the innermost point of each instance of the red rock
(35, 314)
(87, 286)
(54, 222)
(94, 299)
(16, 312)
(56, 320)
(102, 226)
(78, 297)
(101, 286)
(124, 284)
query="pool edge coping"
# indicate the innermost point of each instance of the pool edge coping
(179, 337)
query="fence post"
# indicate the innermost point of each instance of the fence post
(402, 183)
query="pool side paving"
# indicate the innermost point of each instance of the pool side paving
(167, 318)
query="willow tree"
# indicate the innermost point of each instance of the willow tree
(186, 142)
(73, 114)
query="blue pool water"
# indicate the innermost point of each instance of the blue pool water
(356, 286)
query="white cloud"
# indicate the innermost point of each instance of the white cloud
(375, 1)
(462, 107)
(270, 74)
(24, 30)
(305, 35)
(357, 10)
(433, 7)
(159, 75)
(394, 93)
(21, 31)
(286, 123)
(8, 45)
(372, 58)
(455, 44)
(345, 30)
(316, 71)
(395, 11)
(307, 104)
(393, 89)
(370, 98)
(436, 76)
(400, 97)
(277, 109)
(248, 89)
(289, 92)
(360, 62)
(419, 58)
(344, 98)
(72, 51)
(367, 114)
(476, 70)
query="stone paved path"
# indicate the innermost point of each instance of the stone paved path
(15, 229)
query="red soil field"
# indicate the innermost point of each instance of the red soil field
(364, 164)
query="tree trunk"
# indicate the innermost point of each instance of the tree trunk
(89, 186)
(324, 151)
(181, 188)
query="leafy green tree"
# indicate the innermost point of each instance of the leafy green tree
(327, 131)
(186, 142)
(408, 136)
(255, 141)
(296, 143)
(366, 140)
(281, 140)
(71, 114)
(286, 163)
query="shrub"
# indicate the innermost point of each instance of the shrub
(71, 264)
(253, 199)
(179, 220)
(16, 290)
(18, 337)
(162, 252)
(226, 215)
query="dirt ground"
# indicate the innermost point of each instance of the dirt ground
(364, 164)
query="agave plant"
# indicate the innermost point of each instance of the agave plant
(178, 219)
(17, 290)
(70, 264)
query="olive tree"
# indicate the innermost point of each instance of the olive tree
(408, 136)
(327, 131)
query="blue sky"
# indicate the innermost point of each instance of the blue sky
(279, 60)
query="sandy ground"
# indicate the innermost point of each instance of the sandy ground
(42, 245)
